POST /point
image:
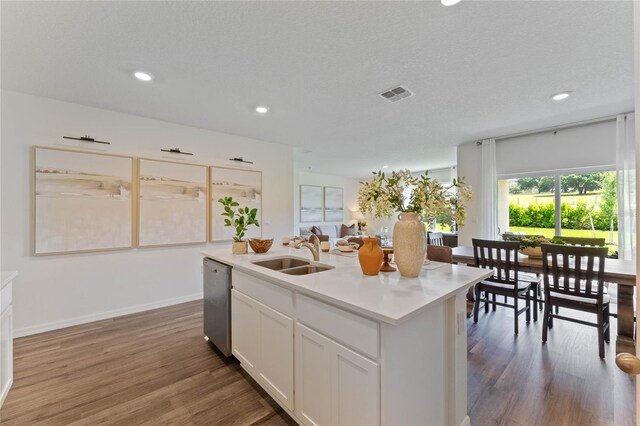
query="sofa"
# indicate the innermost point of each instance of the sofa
(331, 233)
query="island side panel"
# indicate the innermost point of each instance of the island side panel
(457, 357)
(414, 369)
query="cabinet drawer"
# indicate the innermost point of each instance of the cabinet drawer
(272, 295)
(350, 329)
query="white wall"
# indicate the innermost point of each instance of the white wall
(470, 167)
(350, 195)
(61, 290)
(587, 146)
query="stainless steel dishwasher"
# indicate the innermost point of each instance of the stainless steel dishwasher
(217, 304)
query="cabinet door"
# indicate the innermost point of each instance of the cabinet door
(355, 388)
(275, 364)
(313, 376)
(244, 330)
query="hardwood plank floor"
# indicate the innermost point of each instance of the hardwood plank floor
(516, 380)
(155, 368)
(148, 368)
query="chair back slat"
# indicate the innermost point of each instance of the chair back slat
(581, 273)
(435, 238)
(499, 256)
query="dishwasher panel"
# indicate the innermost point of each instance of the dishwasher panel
(217, 304)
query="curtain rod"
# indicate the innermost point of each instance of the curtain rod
(559, 127)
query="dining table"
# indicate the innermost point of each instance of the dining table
(618, 271)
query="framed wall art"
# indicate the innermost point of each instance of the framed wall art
(333, 207)
(173, 200)
(82, 201)
(245, 186)
(310, 203)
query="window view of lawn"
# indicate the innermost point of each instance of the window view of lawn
(588, 206)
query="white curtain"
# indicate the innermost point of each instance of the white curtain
(489, 192)
(626, 181)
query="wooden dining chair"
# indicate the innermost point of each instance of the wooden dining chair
(502, 258)
(440, 253)
(534, 279)
(582, 241)
(435, 238)
(574, 279)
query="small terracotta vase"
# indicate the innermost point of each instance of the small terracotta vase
(239, 247)
(370, 256)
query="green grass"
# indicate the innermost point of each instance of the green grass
(524, 200)
(587, 233)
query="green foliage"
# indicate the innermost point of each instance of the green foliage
(582, 183)
(536, 215)
(608, 203)
(546, 184)
(527, 241)
(527, 184)
(576, 217)
(240, 219)
(572, 217)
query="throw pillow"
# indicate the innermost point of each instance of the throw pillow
(316, 230)
(347, 230)
(305, 231)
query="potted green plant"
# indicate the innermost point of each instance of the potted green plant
(240, 219)
(417, 198)
(530, 244)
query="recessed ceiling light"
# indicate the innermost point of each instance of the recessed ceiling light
(385, 167)
(449, 2)
(561, 96)
(262, 110)
(144, 76)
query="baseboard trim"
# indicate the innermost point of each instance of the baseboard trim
(6, 390)
(466, 421)
(56, 325)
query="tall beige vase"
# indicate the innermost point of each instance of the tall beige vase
(409, 244)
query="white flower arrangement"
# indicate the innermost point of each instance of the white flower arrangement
(384, 195)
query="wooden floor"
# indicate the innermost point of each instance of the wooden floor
(516, 380)
(155, 368)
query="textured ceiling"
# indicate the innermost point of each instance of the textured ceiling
(478, 69)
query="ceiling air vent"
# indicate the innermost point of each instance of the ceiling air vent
(397, 93)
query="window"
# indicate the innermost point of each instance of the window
(561, 203)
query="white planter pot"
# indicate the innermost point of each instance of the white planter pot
(409, 244)
(239, 247)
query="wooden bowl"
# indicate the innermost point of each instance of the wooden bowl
(260, 245)
(532, 252)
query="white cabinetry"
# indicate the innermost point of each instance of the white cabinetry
(6, 334)
(276, 354)
(313, 377)
(244, 330)
(262, 339)
(334, 385)
(350, 369)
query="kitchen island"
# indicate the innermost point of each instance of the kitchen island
(337, 347)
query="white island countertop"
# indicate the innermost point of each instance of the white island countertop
(386, 297)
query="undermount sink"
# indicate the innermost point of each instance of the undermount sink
(306, 270)
(281, 263)
(292, 266)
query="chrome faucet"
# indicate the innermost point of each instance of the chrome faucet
(314, 248)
